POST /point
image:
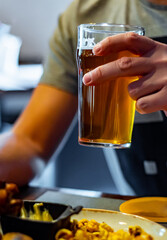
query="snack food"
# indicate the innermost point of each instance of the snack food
(93, 230)
(81, 229)
(8, 203)
(37, 214)
(16, 236)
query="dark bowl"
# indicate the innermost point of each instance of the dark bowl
(40, 230)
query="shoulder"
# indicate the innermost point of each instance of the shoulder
(84, 11)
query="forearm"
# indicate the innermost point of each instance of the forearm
(19, 159)
(47, 118)
(36, 134)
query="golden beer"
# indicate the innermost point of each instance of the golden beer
(106, 111)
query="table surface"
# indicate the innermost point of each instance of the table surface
(75, 197)
(32, 193)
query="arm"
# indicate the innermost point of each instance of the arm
(150, 90)
(36, 134)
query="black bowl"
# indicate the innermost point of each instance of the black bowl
(40, 230)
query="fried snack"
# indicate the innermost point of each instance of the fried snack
(16, 236)
(92, 230)
(139, 234)
(8, 204)
(37, 214)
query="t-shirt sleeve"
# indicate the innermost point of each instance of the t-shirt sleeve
(60, 68)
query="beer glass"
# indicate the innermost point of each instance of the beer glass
(106, 111)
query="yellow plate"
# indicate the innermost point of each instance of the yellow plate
(153, 208)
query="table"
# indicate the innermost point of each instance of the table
(74, 197)
(88, 199)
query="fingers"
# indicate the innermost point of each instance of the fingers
(125, 41)
(123, 67)
(152, 103)
(150, 91)
(126, 66)
(144, 86)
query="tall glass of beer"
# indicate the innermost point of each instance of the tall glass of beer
(105, 111)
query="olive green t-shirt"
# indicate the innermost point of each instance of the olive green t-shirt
(60, 69)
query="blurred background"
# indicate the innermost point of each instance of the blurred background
(33, 22)
(25, 29)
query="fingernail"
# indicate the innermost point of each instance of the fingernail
(87, 78)
(97, 48)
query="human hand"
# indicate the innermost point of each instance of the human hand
(150, 91)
